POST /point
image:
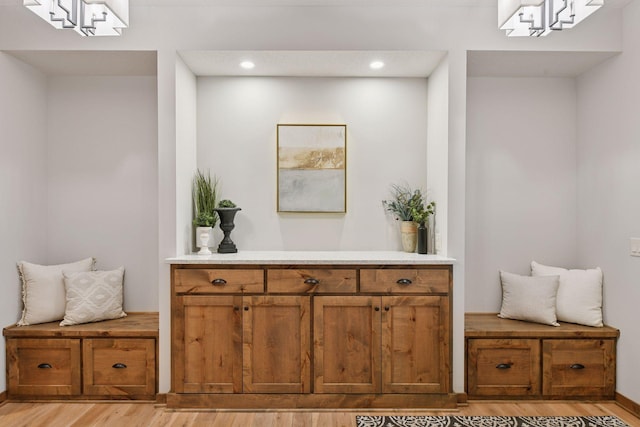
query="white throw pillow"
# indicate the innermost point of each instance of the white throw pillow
(579, 294)
(93, 296)
(529, 298)
(43, 293)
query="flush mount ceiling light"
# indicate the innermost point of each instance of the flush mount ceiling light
(86, 17)
(535, 18)
(376, 65)
(247, 65)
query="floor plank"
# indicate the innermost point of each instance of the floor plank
(99, 414)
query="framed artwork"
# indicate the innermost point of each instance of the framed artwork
(312, 168)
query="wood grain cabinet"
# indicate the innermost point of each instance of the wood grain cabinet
(509, 358)
(320, 336)
(114, 359)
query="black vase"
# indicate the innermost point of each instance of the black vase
(423, 235)
(227, 215)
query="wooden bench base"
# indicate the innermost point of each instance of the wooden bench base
(113, 359)
(508, 359)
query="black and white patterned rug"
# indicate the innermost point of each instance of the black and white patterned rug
(485, 421)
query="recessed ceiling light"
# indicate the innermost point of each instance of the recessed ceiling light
(247, 65)
(376, 65)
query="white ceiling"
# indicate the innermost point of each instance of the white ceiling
(532, 63)
(93, 63)
(390, 3)
(313, 63)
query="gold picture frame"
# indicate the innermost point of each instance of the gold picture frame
(312, 168)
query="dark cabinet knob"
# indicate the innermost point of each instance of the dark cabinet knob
(311, 281)
(44, 366)
(218, 282)
(246, 309)
(387, 308)
(404, 281)
(503, 366)
(376, 308)
(577, 366)
(236, 308)
(119, 366)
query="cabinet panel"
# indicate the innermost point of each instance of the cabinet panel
(415, 344)
(119, 366)
(315, 280)
(218, 281)
(503, 367)
(43, 367)
(347, 344)
(276, 344)
(405, 280)
(208, 358)
(578, 368)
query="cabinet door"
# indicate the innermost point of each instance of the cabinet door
(119, 366)
(347, 344)
(415, 344)
(584, 367)
(43, 367)
(276, 344)
(503, 367)
(207, 341)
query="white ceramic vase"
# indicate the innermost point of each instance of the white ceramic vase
(203, 235)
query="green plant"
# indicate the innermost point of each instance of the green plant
(403, 202)
(204, 191)
(421, 212)
(226, 203)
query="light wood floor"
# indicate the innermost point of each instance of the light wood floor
(69, 414)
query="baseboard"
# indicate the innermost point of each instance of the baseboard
(3, 397)
(462, 398)
(161, 398)
(628, 404)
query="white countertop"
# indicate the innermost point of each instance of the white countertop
(313, 257)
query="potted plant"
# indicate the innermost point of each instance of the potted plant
(402, 204)
(227, 211)
(204, 192)
(420, 216)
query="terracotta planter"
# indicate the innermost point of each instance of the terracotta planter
(409, 234)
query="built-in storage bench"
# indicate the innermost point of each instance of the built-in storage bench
(113, 359)
(514, 359)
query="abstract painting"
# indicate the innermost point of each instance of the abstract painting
(312, 168)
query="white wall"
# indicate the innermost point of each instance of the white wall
(23, 185)
(101, 163)
(521, 180)
(386, 143)
(609, 191)
(186, 142)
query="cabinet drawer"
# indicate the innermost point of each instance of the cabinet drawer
(579, 368)
(43, 367)
(507, 367)
(433, 280)
(217, 281)
(311, 281)
(124, 366)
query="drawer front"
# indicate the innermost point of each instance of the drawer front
(311, 280)
(508, 367)
(119, 367)
(218, 281)
(43, 367)
(401, 281)
(580, 368)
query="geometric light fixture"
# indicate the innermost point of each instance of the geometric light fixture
(535, 18)
(86, 17)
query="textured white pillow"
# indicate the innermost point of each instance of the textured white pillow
(43, 292)
(93, 296)
(529, 298)
(579, 294)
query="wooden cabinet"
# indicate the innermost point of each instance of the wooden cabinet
(114, 359)
(287, 336)
(508, 358)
